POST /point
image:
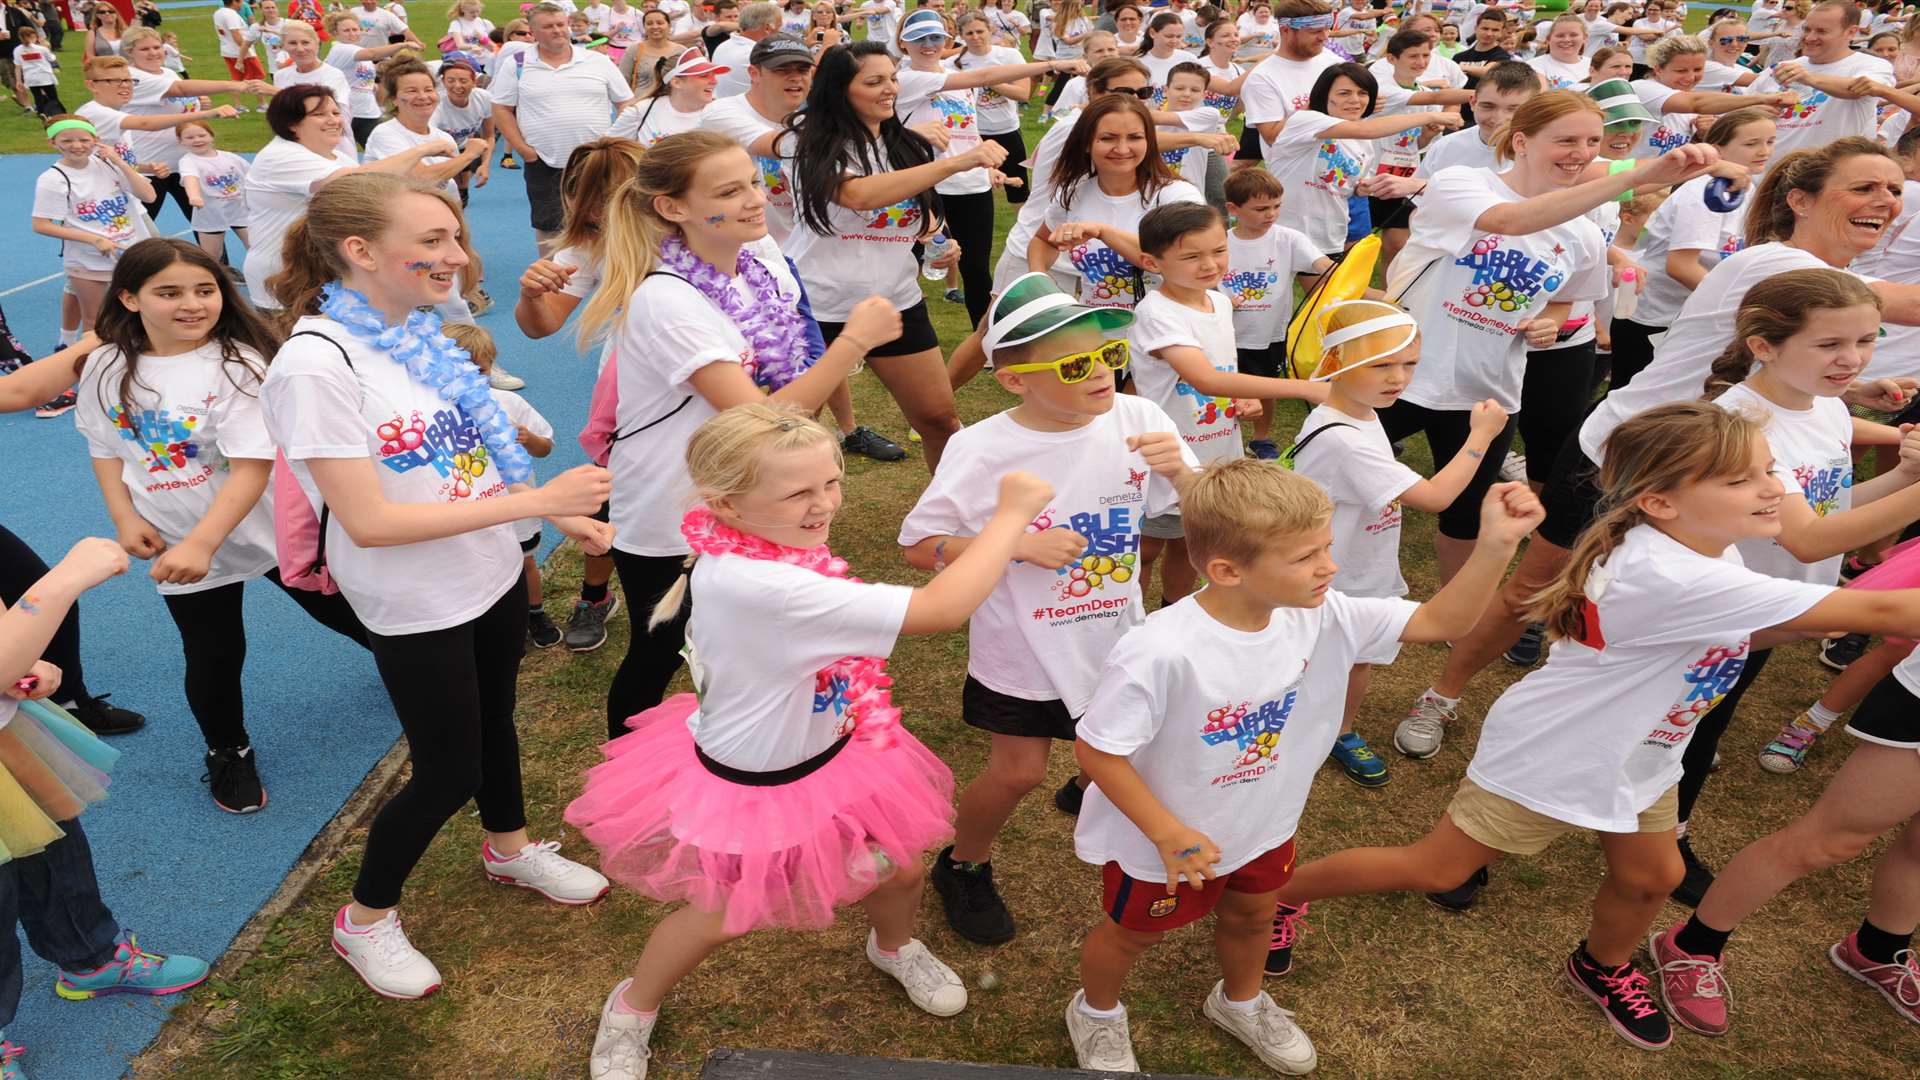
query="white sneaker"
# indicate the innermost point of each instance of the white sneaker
(1424, 728)
(929, 983)
(1101, 1045)
(1513, 467)
(502, 379)
(384, 959)
(539, 867)
(620, 1049)
(1268, 1030)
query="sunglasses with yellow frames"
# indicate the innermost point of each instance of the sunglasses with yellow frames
(1076, 367)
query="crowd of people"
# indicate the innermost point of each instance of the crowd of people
(1647, 292)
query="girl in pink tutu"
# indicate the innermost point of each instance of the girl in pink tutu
(784, 787)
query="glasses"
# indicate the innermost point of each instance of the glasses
(1075, 368)
(111, 82)
(521, 33)
(1741, 39)
(1144, 93)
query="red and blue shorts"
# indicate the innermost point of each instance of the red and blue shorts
(1146, 906)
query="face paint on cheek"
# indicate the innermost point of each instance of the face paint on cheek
(418, 268)
(716, 219)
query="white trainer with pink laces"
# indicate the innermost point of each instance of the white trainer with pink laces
(539, 867)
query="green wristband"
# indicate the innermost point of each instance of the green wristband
(1615, 169)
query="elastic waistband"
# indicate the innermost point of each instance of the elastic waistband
(777, 777)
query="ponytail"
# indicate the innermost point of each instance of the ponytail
(1771, 216)
(671, 601)
(1778, 308)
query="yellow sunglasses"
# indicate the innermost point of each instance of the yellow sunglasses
(1076, 367)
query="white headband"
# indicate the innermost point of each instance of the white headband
(1395, 317)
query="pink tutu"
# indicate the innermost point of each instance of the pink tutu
(1898, 569)
(767, 856)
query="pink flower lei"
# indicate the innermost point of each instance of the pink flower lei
(771, 322)
(871, 714)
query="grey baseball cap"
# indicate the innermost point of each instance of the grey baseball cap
(780, 50)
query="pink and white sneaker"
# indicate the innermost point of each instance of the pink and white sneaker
(539, 867)
(1898, 982)
(384, 959)
(1693, 985)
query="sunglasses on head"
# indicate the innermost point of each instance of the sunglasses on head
(1144, 93)
(1076, 367)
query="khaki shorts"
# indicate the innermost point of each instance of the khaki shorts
(1505, 825)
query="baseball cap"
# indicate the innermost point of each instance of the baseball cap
(922, 24)
(1033, 307)
(458, 58)
(780, 50)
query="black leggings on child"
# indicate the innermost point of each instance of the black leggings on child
(970, 224)
(46, 101)
(652, 656)
(453, 691)
(214, 638)
(1698, 761)
(1016, 145)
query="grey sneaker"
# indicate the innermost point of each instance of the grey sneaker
(620, 1049)
(502, 379)
(1513, 467)
(1100, 1045)
(587, 630)
(1424, 728)
(1268, 1030)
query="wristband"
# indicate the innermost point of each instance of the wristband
(1615, 169)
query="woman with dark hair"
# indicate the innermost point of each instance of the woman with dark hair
(863, 197)
(1321, 155)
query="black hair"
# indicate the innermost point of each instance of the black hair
(289, 106)
(830, 141)
(1359, 76)
(1163, 226)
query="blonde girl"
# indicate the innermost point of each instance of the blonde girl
(1592, 740)
(216, 181)
(468, 30)
(88, 200)
(767, 801)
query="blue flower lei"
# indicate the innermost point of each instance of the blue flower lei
(771, 322)
(435, 361)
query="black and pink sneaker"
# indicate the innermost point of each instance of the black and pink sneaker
(1623, 994)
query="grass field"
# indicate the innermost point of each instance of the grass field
(1387, 987)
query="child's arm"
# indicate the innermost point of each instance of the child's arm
(1441, 97)
(1510, 512)
(1435, 495)
(1196, 371)
(27, 626)
(946, 602)
(1164, 454)
(188, 561)
(49, 227)
(537, 445)
(141, 187)
(45, 379)
(1809, 537)
(353, 494)
(131, 122)
(542, 308)
(1187, 851)
(192, 184)
(1863, 611)
(137, 534)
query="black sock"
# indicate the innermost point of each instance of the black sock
(593, 594)
(1878, 945)
(1700, 939)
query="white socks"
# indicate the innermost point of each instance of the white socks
(1115, 1013)
(68, 337)
(1435, 695)
(1821, 716)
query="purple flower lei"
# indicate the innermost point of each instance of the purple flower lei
(771, 322)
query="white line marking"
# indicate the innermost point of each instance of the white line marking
(37, 282)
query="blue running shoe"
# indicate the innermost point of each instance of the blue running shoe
(1357, 759)
(10, 1067)
(132, 971)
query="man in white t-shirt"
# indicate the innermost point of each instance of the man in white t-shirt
(1830, 107)
(548, 100)
(383, 25)
(779, 71)
(1281, 83)
(231, 28)
(757, 21)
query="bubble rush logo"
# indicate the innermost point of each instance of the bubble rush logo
(1708, 680)
(1108, 274)
(1112, 552)
(1507, 279)
(1253, 731)
(1251, 286)
(772, 176)
(166, 438)
(1662, 139)
(901, 215)
(110, 213)
(1809, 103)
(449, 444)
(1207, 409)
(956, 113)
(1334, 166)
(226, 184)
(1822, 487)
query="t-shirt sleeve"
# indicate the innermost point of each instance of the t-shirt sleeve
(1162, 497)
(1124, 714)
(313, 403)
(1355, 469)
(1263, 99)
(916, 88)
(1694, 227)
(1159, 325)
(1372, 626)
(294, 174)
(243, 426)
(617, 86)
(682, 329)
(1722, 601)
(522, 413)
(342, 56)
(505, 82)
(1303, 129)
(1653, 95)
(90, 410)
(955, 503)
(50, 196)
(1395, 96)
(1455, 198)
(149, 89)
(844, 618)
(1594, 279)
(383, 143)
(1205, 119)
(1300, 250)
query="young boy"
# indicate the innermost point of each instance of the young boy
(1204, 735)
(1263, 262)
(1496, 97)
(1035, 647)
(111, 86)
(1396, 157)
(1185, 362)
(537, 436)
(1186, 108)
(465, 112)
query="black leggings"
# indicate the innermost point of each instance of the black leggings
(1446, 434)
(1016, 146)
(453, 690)
(19, 569)
(1554, 398)
(1053, 93)
(653, 656)
(46, 101)
(171, 184)
(970, 224)
(1706, 735)
(214, 638)
(1632, 352)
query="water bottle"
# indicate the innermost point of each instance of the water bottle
(937, 249)
(1626, 297)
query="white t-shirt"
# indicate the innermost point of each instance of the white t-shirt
(1595, 736)
(1896, 258)
(883, 21)
(1062, 50)
(870, 252)
(363, 102)
(1260, 274)
(98, 199)
(36, 65)
(759, 634)
(1033, 212)
(1560, 76)
(1481, 288)
(150, 99)
(1072, 98)
(1278, 86)
(650, 121)
(624, 29)
(106, 121)
(1320, 175)
(1637, 46)
(736, 118)
(1601, 32)
(1812, 455)
(1189, 163)
(1674, 128)
(1157, 69)
(1463, 147)
(1207, 423)
(1043, 634)
(998, 114)
(1720, 78)
(1818, 119)
(421, 449)
(222, 177)
(1225, 104)
(379, 23)
(473, 32)
(522, 413)
(279, 186)
(732, 54)
(1698, 333)
(1227, 727)
(1257, 35)
(390, 137)
(670, 330)
(1397, 155)
(191, 414)
(558, 108)
(1683, 222)
(597, 16)
(1106, 278)
(958, 115)
(226, 22)
(1355, 463)
(463, 122)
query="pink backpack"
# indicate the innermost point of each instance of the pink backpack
(603, 427)
(299, 533)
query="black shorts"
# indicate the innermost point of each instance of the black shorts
(531, 544)
(362, 127)
(1569, 495)
(1389, 213)
(1250, 145)
(916, 334)
(991, 710)
(605, 513)
(1263, 361)
(1890, 716)
(549, 214)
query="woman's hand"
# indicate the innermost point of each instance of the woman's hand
(873, 322)
(989, 154)
(1677, 166)
(92, 561)
(1074, 233)
(1540, 333)
(579, 490)
(935, 132)
(595, 537)
(544, 276)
